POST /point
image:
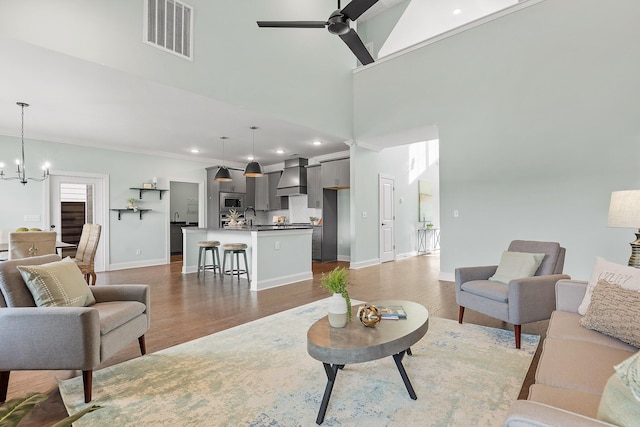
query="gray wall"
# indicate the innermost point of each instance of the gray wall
(537, 113)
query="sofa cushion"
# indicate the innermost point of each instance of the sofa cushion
(114, 314)
(614, 311)
(577, 401)
(564, 324)
(14, 290)
(516, 265)
(57, 284)
(577, 365)
(487, 289)
(623, 275)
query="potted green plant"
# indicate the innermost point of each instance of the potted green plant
(336, 281)
(131, 204)
(313, 219)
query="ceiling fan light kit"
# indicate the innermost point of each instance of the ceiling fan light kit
(338, 24)
(253, 169)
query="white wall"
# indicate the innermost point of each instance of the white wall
(125, 170)
(537, 113)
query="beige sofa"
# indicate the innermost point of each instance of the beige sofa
(574, 367)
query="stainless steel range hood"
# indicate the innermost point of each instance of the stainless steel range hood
(294, 178)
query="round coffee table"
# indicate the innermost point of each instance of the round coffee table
(355, 343)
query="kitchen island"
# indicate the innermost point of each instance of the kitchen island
(277, 255)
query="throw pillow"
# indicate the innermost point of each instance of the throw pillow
(614, 311)
(625, 276)
(620, 402)
(57, 284)
(515, 265)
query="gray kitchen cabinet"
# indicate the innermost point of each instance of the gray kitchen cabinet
(314, 187)
(238, 183)
(275, 201)
(335, 174)
(258, 193)
(316, 243)
(176, 239)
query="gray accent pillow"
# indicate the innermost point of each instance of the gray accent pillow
(57, 284)
(614, 311)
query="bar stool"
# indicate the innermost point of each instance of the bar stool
(235, 249)
(212, 246)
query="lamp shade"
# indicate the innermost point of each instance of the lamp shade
(223, 174)
(253, 169)
(624, 209)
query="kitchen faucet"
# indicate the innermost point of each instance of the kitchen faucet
(245, 214)
(176, 216)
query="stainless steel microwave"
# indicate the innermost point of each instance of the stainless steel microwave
(230, 201)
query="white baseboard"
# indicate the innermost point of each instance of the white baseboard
(137, 264)
(406, 255)
(280, 281)
(363, 264)
(447, 277)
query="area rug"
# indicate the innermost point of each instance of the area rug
(259, 374)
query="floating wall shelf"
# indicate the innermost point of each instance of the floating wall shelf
(142, 190)
(120, 211)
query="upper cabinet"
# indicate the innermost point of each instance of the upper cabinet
(258, 193)
(335, 174)
(238, 183)
(275, 201)
(314, 186)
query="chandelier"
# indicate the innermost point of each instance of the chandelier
(21, 172)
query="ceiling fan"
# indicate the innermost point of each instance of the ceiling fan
(338, 23)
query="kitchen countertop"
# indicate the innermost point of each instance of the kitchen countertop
(269, 227)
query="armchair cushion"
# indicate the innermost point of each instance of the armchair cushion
(487, 289)
(515, 265)
(14, 291)
(614, 311)
(57, 284)
(116, 313)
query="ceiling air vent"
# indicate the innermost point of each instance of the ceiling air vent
(168, 26)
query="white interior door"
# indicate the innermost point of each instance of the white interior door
(96, 207)
(387, 218)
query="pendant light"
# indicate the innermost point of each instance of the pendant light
(223, 174)
(253, 168)
(20, 164)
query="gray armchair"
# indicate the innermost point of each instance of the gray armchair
(67, 338)
(523, 300)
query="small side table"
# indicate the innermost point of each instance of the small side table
(428, 240)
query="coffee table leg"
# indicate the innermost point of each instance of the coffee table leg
(331, 371)
(398, 359)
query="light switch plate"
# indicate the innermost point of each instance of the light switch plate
(32, 218)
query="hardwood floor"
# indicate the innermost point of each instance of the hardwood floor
(184, 307)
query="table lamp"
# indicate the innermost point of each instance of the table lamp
(624, 211)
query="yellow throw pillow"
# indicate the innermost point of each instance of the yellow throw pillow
(57, 284)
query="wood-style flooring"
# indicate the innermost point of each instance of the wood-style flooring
(185, 307)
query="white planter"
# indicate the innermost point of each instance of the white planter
(338, 311)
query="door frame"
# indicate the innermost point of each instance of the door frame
(104, 178)
(382, 177)
(202, 217)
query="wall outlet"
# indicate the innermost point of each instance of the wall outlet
(138, 251)
(276, 245)
(32, 218)
(456, 213)
(364, 214)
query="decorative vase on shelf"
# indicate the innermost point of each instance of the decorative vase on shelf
(338, 311)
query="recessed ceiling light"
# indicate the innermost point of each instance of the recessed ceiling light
(195, 150)
(280, 151)
(250, 158)
(317, 142)
(457, 11)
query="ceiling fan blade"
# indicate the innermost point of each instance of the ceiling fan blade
(357, 47)
(357, 7)
(292, 24)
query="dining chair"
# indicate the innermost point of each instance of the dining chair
(86, 252)
(25, 244)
